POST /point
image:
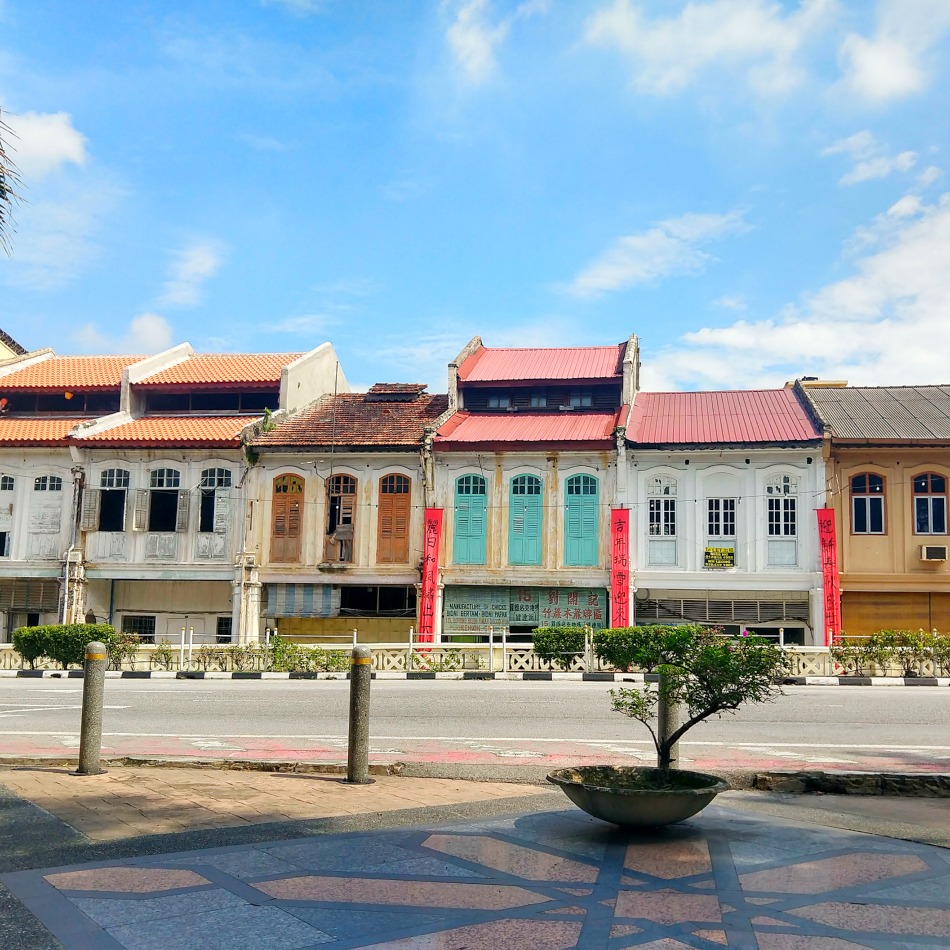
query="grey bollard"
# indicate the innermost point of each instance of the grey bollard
(357, 758)
(667, 722)
(90, 730)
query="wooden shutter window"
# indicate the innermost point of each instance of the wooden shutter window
(286, 518)
(90, 509)
(471, 520)
(392, 536)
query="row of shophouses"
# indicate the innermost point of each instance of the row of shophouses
(225, 495)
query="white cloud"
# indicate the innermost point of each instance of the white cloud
(884, 324)
(473, 39)
(146, 333)
(928, 176)
(305, 324)
(669, 54)
(893, 62)
(43, 143)
(870, 158)
(191, 268)
(736, 303)
(671, 247)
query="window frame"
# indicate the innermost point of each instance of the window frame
(48, 483)
(929, 497)
(866, 496)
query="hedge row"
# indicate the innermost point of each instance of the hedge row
(64, 643)
(903, 651)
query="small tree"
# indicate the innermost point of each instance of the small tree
(9, 182)
(701, 671)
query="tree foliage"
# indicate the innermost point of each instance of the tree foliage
(702, 672)
(9, 182)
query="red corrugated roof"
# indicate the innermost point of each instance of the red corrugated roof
(69, 372)
(511, 365)
(705, 418)
(185, 431)
(36, 431)
(211, 368)
(523, 429)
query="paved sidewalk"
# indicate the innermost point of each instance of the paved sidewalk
(128, 802)
(548, 880)
(168, 858)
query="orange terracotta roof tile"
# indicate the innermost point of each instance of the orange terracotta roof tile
(185, 431)
(356, 419)
(69, 372)
(217, 368)
(36, 431)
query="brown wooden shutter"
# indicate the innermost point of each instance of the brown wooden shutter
(392, 546)
(286, 519)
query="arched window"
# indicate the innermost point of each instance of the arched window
(392, 531)
(286, 510)
(48, 483)
(581, 520)
(930, 504)
(867, 504)
(6, 483)
(661, 520)
(471, 520)
(167, 504)
(105, 509)
(341, 519)
(781, 498)
(215, 498)
(524, 520)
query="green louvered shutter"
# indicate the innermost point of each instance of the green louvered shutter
(524, 520)
(471, 520)
(580, 521)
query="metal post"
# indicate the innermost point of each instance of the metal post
(191, 646)
(90, 730)
(354, 637)
(181, 652)
(491, 649)
(504, 649)
(357, 757)
(667, 722)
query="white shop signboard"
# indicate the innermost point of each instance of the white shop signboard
(475, 609)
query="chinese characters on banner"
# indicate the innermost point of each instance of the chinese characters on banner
(431, 538)
(829, 569)
(620, 566)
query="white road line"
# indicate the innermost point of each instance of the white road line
(496, 739)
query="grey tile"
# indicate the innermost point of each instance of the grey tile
(343, 924)
(936, 889)
(362, 855)
(240, 864)
(110, 912)
(244, 928)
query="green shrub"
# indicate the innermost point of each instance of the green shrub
(163, 656)
(64, 643)
(559, 645)
(626, 648)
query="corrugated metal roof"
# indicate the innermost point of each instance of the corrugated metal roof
(510, 365)
(729, 417)
(69, 372)
(36, 431)
(883, 413)
(525, 428)
(194, 431)
(209, 368)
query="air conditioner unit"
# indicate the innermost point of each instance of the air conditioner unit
(933, 552)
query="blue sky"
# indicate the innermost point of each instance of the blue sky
(754, 187)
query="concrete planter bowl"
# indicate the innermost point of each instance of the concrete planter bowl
(616, 793)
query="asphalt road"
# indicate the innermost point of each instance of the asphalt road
(493, 722)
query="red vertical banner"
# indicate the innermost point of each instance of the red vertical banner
(620, 567)
(828, 545)
(431, 540)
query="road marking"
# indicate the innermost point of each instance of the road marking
(607, 743)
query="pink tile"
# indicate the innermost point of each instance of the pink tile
(713, 936)
(512, 858)
(796, 942)
(577, 911)
(624, 930)
(920, 921)
(497, 935)
(410, 893)
(669, 859)
(668, 907)
(125, 880)
(828, 874)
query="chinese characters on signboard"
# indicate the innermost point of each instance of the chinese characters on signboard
(475, 609)
(620, 565)
(431, 538)
(828, 545)
(719, 557)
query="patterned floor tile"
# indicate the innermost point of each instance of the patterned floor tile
(128, 880)
(113, 913)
